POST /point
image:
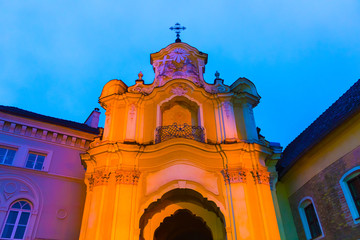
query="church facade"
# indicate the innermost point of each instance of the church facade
(178, 159)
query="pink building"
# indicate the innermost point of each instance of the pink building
(42, 188)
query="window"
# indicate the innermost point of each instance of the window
(354, 186)
(16, 221)
(310, 219)
(350, 184)
(7, 155)
(35, 161)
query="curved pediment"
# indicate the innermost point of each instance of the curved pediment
(171, 47)
(178, 60)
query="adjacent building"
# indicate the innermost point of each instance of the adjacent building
(42, 188)
(319, 175)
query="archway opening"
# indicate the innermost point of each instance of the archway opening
(174, 210)
(183, 225)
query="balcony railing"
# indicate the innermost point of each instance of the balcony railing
(164, 133)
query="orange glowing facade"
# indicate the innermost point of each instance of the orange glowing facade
(180, 158)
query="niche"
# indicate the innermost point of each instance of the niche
(179, 110)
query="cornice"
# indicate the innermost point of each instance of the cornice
(47, 135)
(98, 146)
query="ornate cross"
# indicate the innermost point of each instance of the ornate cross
(177, 28)
(163, 63)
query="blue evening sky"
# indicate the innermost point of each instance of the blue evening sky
(55, 56)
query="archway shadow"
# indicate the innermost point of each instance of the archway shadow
(183, 225)
(176, 196)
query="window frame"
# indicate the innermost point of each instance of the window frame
(349, 175)
(2, 161)
(22, 151)
(37, 153)
(305, 202)
(18, 216)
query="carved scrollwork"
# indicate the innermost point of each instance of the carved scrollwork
(240, 176)
(179, 90)
(95, 142)
(234, 176)
(142, 88)
(127, 177)
(261, 177)
(99, 177)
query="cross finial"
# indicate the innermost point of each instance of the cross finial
(177, 28)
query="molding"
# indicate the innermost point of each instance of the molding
(22, 171)
(28, 190)
(44, 135)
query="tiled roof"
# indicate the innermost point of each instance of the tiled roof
(56, 121)
(345, 107)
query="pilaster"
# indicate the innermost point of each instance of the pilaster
(249, 121)
(251, 203)
(109, 208)
(230, 132)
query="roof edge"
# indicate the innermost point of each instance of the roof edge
(52, 120)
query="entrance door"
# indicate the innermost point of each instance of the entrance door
(183, 225)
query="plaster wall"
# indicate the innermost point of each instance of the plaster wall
(57, 192)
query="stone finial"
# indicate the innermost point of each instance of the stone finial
(217, 75)
(220, 82)
(140, 75)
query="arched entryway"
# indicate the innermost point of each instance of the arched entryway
(182, 214)
(183, 225)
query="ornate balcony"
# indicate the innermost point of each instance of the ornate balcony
(164, 133)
